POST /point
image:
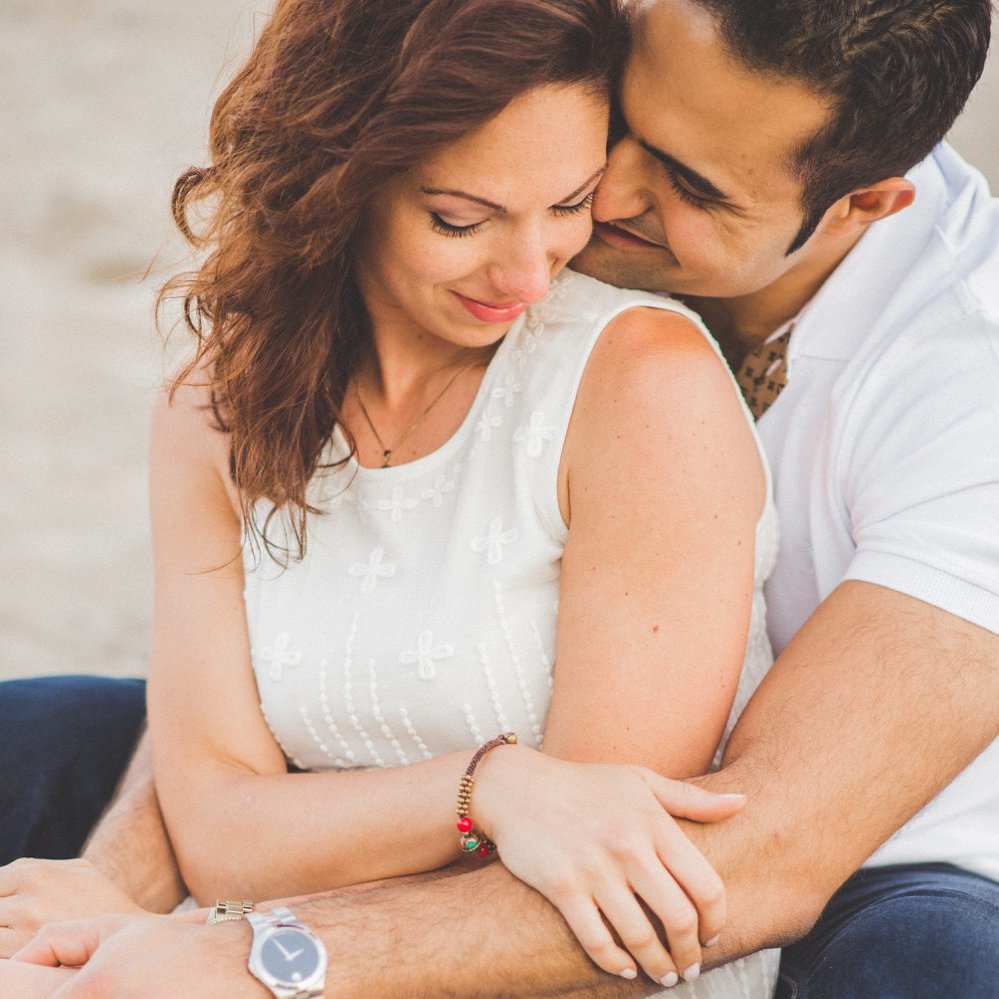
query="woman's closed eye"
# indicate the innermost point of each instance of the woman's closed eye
(441, 225)
(450, 229)
(579, 208)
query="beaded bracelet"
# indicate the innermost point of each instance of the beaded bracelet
(472, 841)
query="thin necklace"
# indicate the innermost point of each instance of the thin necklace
(387, 452)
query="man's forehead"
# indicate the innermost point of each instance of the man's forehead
(687, 95)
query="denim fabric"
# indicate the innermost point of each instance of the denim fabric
(64, 743)
(926, 931)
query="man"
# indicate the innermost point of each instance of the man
(765, 177)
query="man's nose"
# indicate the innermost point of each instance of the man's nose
(622, 193)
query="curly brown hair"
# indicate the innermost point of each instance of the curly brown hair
(336, 99)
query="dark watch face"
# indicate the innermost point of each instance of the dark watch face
(290, 956)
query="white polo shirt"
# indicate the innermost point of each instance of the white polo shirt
(885, 452)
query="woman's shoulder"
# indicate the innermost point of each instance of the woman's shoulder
(656, 385)
(187, 434)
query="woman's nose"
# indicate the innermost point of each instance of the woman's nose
(525, 271)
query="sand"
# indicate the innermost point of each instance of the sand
(103, 103)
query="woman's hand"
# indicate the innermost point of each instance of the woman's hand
(36, 892)
(600, 843)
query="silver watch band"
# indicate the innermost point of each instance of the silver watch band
(229, 910)
(281, 916)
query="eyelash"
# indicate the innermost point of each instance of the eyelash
(684, 193)
(459, 231)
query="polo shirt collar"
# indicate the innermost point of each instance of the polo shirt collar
(854, 297)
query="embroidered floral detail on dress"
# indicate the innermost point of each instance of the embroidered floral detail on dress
(534, 435)
(397, 504)
(547, 310)
(374, 569)
(488, 422)
(442, 484)
(493, 542)
(280, 655)
(508, 390)
(426, 655)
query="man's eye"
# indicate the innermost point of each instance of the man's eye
(447, 229)
(686, 193)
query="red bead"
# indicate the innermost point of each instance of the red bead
(464, 824)
(483, 850)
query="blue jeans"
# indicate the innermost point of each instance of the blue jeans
(929, 931)
(64, 743)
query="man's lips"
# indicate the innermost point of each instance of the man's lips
(616, 235)
(489, 312)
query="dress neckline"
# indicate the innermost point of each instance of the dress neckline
(446, 450)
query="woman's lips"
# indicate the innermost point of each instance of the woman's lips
(616, 236)
(486, 312)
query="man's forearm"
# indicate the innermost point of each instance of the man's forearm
(835, 752)
(130, 844)
(477, 935)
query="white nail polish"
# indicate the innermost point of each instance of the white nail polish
(713, 940)
(692, 973)
(671, 979)
(629, 973)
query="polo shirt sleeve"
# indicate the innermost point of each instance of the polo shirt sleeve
(921, 478)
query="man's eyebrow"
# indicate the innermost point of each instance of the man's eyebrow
(697, 181)
(485, 202)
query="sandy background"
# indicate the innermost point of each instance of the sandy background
(103, 103)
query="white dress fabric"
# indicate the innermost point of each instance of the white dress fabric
(422, 619)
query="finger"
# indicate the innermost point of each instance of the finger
(679, 918)
(13, 910)
(692, 873)
(688, 801)
(10, 877)
(622, 910)
(71, 944)
(11, 940)
(583, 917)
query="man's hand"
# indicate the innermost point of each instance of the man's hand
(36, 892)
(130, 844)
(148, 957)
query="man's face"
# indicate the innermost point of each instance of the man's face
(699, 198)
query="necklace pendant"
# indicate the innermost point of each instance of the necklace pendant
(386, 455)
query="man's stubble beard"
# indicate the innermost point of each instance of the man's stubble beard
(597, 260)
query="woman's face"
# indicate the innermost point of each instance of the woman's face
(460, 246)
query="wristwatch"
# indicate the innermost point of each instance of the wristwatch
(228, 911)
(286, 957)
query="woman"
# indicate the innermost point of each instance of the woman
(414, 465)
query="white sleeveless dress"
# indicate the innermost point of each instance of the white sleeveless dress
(422, 619)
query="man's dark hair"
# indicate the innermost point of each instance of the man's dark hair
(897, 74)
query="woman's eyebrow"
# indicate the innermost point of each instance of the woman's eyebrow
(452, 192)
(586, 183)
(486, 203)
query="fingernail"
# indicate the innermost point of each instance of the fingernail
(732, 797)
(713, 940)
(692, 973)
(629, 973)
(671, 979)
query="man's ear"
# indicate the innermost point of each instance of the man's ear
(860, 208)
